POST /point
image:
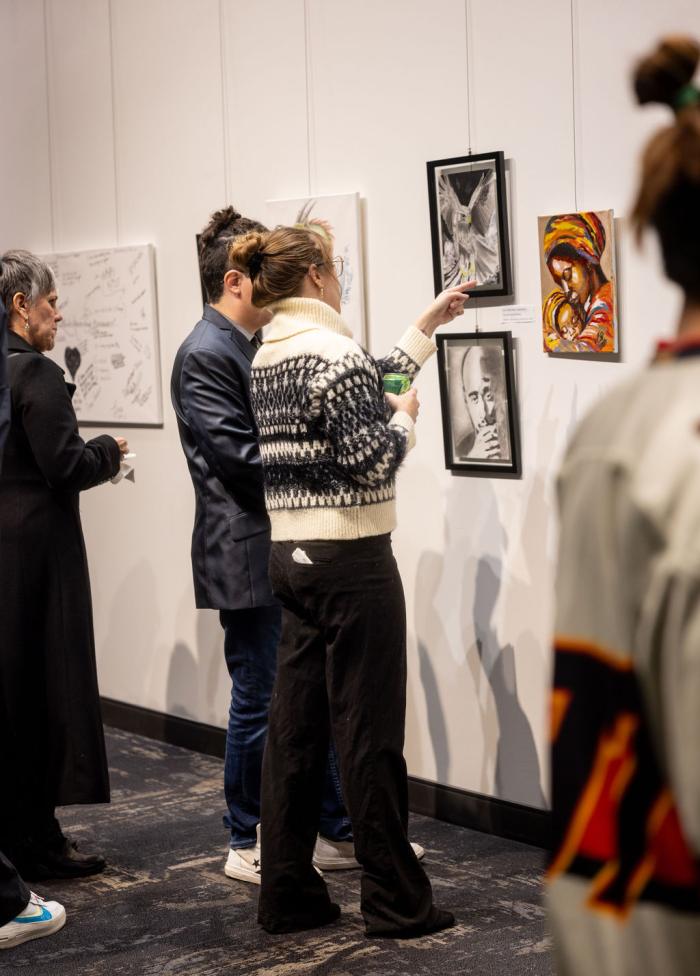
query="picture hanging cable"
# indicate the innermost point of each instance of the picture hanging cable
(573, 98)
(224, 99)
(467, 34)
(307, 73)
(112, 86)
(468, 64)
(49, 114)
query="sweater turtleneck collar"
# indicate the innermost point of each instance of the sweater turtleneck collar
(294, 315)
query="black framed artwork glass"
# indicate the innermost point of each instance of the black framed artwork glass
(469, 223)
(478, 399)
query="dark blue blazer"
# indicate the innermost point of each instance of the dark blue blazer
(210, 390)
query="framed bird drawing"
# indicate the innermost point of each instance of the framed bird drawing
(469, 223)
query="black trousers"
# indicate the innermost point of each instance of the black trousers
(341, 668)
(14, 894)
(27, 828)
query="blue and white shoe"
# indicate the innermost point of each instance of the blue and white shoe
(39, 918)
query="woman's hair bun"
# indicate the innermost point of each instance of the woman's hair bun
(660, 76)
(244, 248)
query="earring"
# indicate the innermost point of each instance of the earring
(26, 324)
(322, 291)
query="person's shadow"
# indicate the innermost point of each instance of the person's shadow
(517, 770)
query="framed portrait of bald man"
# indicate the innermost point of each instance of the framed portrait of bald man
(479, 409)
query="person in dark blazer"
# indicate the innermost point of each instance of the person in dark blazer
(52, 748)
(231, 538)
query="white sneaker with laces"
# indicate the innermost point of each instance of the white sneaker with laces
(39, 918)
(243, 863)
(339, 855)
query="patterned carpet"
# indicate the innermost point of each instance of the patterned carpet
(164, 905)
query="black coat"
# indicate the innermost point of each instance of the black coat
(51, 737)
(210, 390)
(4, 389)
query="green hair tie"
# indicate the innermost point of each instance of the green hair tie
(686, 96)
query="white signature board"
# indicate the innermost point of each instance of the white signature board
(107, 343)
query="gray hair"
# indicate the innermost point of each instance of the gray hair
(24, 272)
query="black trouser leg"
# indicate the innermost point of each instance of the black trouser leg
(351, 599)
(14, 894)
(366, 675)
(292, 893)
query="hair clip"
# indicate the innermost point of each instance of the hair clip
(685, 97)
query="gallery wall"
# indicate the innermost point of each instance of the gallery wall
(129, 121)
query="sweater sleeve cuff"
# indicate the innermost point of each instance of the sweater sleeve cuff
(417, 345)
(405, 421)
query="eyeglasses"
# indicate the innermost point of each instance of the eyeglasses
(338, 265)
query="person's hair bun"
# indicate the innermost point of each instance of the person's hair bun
(244, 249)
(660, 76)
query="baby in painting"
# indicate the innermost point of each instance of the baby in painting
(562, 321)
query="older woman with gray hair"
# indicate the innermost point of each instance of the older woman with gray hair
(52, 748)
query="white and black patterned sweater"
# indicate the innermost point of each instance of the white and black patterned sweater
(329, 445)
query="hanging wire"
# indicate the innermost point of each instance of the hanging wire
(467, 26)
(49, 114)
(115, 173)
(573, 98)
(468, 63)
(224, 101)
(307, 73)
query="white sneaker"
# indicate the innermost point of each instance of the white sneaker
(39, 918)
(243, 863)
(339, 855)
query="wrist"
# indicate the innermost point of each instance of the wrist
(425, 325)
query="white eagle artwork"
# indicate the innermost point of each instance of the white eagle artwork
(470, 252)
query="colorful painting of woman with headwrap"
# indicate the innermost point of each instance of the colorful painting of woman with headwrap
(578, 258)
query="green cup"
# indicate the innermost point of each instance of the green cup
(396, 383)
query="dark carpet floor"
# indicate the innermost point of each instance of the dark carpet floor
(164, 907)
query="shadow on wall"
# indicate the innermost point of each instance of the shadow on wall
(509, 764)
(194, 676)
(517, 772)
(428, 622)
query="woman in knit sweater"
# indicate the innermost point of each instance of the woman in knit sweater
(331, 443)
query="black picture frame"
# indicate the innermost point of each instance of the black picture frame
(492, 395)
(454, 211)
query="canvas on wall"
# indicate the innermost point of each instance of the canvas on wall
(479, 410)
(342, 212)
(107, 343)
(469, 223)
(577, 271)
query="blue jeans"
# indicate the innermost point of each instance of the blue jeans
(251, 637)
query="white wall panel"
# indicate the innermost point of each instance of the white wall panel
(25, 176)
(153, 647)
(210, 106)
(264, 59)
(82, 150)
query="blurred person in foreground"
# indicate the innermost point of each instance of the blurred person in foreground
(624, 877)
(52, 749)
(331, 445)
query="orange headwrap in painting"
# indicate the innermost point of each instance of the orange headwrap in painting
(583, 232)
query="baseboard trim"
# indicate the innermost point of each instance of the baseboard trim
(173, 729)
(461, 807)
